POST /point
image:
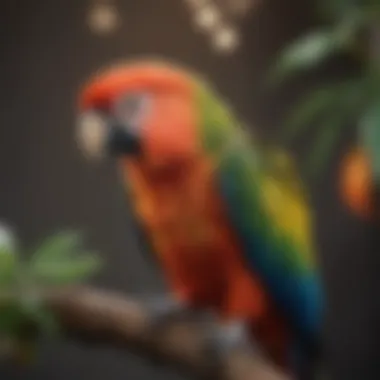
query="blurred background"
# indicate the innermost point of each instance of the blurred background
(48, 48)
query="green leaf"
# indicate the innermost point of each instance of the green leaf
(335, 8)
(369, 130)
(46, 322)
(350, 98)
(306, 52)
(8, 267)
(350, 25)
(57, 247)
(59, 261)
(304, 114)
(44, 319)
(11, 318)
(320, 103)
(63, 272)
(338, 9)
(323, 147)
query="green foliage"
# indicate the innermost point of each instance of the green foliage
(58, 261)
(369, 130)
(319, 101)
(305, 53)
(323, 147)
(335, 106)
(11, 318)
(8, 267)
(336, 10)
(315, 47)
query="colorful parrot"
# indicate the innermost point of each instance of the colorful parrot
(226, 218)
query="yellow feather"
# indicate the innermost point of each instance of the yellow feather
(285, 201)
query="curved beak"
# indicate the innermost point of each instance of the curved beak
(98, 137)
(122, 142)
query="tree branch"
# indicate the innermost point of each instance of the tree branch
(101, 317)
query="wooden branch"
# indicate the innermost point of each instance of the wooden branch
(101, 317)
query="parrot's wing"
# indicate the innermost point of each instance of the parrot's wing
(266, 206)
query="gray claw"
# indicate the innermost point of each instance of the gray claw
(222, 339)
(164, 309)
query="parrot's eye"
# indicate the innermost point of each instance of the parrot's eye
(130, 109)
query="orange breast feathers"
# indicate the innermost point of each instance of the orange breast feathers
(189, 232)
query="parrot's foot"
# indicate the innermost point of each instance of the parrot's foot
(222, 339)
(162, 311)
(165, 309)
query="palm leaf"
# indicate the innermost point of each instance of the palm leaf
(352, 96)
(59, 261)
(338, 9)
(369, 132)
(33, 310)
(306, 111)
(58, 246)
(8, 267)
(305, 53)
(313, 48)
(63, 272)
(320, 103)
(11, 318)
(322, 149)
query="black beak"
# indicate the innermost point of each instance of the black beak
(122, 142)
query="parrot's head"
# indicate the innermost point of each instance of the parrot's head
(146, 111)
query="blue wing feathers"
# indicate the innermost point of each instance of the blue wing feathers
(296, 294)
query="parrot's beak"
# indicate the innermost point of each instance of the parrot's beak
(98, 137)
(122, 142)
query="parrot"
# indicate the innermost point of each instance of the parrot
(227, 217)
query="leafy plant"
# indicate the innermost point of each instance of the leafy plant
(351, 28)
(58, 261)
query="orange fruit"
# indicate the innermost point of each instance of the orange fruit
(356, 183)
